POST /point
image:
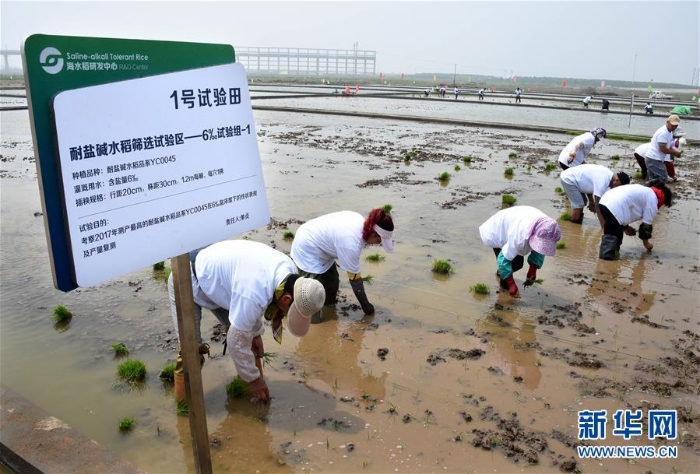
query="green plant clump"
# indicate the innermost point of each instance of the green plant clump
(168, 372)
(512, 155)
(375, 257)
(181, 408)
(509, 199)
(467, 159)
(561, 245)
(443, 267)
(480, 289)
(638, 175)
(126, 424)
(558, 190)
(509, 172)
(132, 370)
(159, 267)
(444, 176)
(120, 349)
(237, 387)
(615, 157)
(61, 314)
(565, 216)
(457, 167)
(288, 235)
(368, 279)
(550, 166)
(387, 208)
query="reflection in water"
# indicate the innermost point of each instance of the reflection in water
(515, 341)
(330, 353)
(608, 283)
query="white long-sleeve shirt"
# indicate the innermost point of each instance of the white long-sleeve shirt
(241, 276)
(581, 145)
(318, 243)
(508, 230)
(631, 203)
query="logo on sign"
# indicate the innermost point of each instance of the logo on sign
(51, 60)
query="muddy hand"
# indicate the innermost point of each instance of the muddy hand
(259, 390)
(648, 245)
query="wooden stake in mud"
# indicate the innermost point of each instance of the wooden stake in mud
(189, 346)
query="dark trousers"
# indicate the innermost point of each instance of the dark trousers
(330, 281)
(613, 233)
(516, 264)
(563, 166)
(642, 165)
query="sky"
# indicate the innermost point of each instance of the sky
(646, 41)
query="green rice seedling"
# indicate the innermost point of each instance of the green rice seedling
(126, 424)
(159, 267)
(387, 208)
(558, 190)
(508, 199)
(444, 176)
(288, 235)
(512, 155)
(368, 279)
(529, 168)
(374, 257)
(120, 349)
(61, 314)
(480, 289)
(168, 372)
(268, 357)
(467, 159)
(457, 167)
(509, 172)
(615, 157)
(443, 267)
(237, 387)
(550, 166)
(181, 408)
(561, 245)
(132, 371)
(638, 175)
(407, 157)
(565, 216)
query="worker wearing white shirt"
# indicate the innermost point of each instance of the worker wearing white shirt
(662, 144)
(576, 151)
(625, 205)
(250, 281)
(515, 232)
(587, 183)
(341, 236)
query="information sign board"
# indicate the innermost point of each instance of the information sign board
(157, 166)
(53, 64)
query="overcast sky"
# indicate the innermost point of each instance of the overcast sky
(646, 41)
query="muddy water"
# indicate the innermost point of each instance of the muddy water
(594, 335)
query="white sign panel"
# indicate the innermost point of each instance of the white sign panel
(155, 167)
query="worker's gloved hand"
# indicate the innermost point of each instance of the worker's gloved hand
(645, 231)
(531, 276)
(259, 390)
(358, 287)
(512, 287)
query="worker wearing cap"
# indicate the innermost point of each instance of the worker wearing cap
(251, 281)
(580, 147)
(341, 236)
(625, 205)
(515, 232)
(662, 144)
(587, 183)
